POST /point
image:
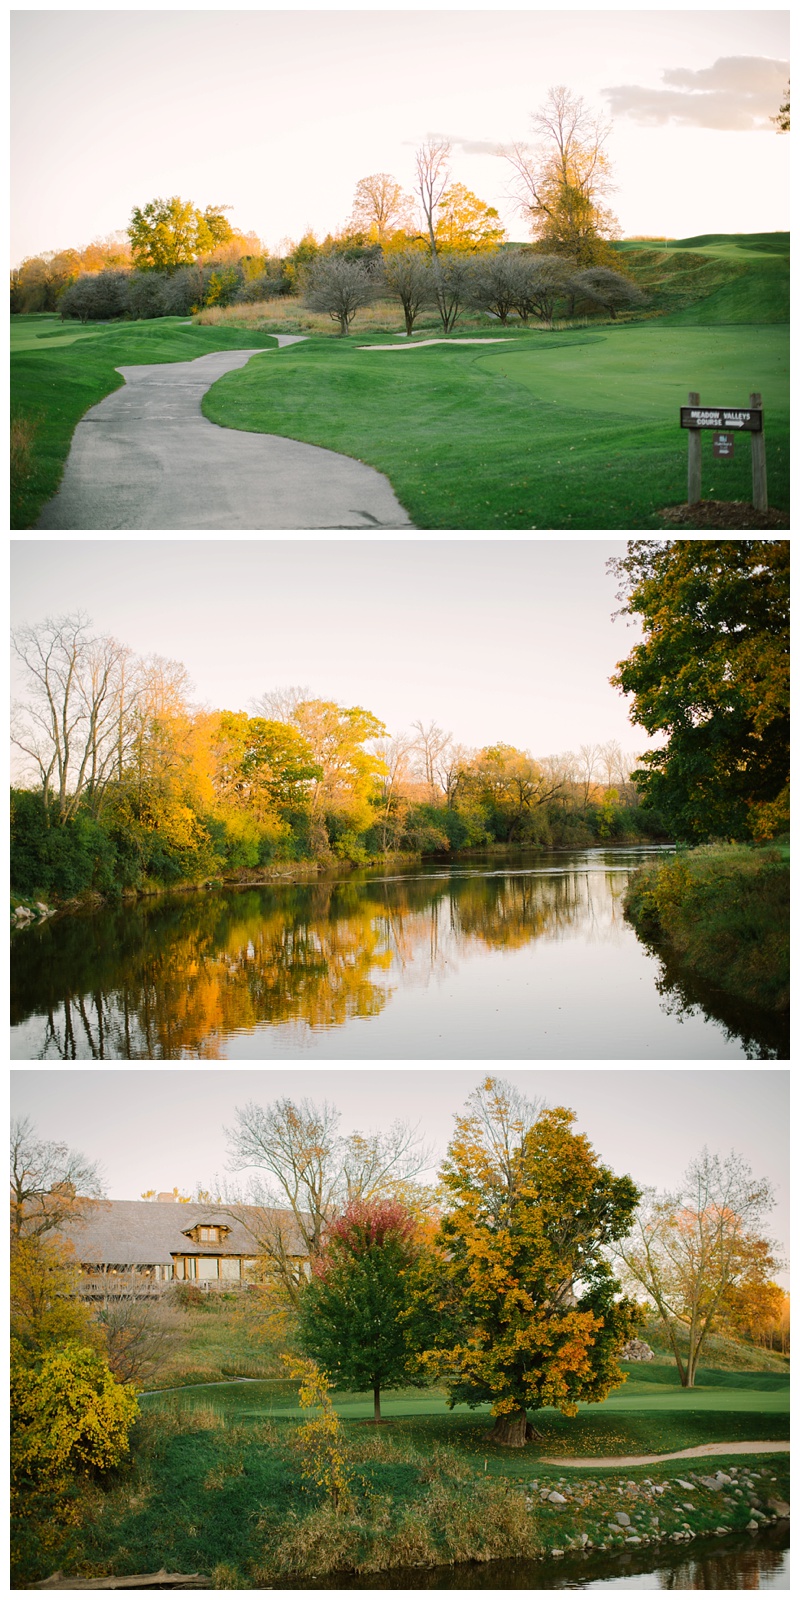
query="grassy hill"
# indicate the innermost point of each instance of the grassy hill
(713, 278)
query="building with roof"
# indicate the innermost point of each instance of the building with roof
(151, 1243)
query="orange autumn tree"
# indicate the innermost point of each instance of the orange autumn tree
(531, 1315)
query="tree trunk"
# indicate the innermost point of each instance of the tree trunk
(376, 1395)
(514, 1430)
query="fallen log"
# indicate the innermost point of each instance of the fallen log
(139, 1580)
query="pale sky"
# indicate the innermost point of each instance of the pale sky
(154, 1129)
(279, 113)
(495, 640)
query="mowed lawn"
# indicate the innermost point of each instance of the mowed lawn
(576, 429)
(650, 1413)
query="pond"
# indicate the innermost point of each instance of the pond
(524, 958)
(740, 1562)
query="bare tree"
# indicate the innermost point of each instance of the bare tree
(431, 743)
(539, 283)
(393, 753)
(81, 695)
(689, 1247)
(302, 1162)
(433, 177)
(281, 704)
(135, 1334)
(340, 287)
(50, 1184)
(451, 278)
(408, 276)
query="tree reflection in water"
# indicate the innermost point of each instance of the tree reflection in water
(176, 978)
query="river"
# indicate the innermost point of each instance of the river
(521, 958)
(740, 1562)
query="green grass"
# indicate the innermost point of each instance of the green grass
(59, 370)
(724, 911)
(564, 430)
(215, 1485)
(568, 429)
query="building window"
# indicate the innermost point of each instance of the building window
(209, 1235)
(207, 1267)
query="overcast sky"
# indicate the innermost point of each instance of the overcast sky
(496, 640)
(153, 1129)
(278, 113)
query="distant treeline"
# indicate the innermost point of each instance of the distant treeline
(151, 791)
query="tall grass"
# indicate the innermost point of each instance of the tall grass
(23, 437)
(724, 909)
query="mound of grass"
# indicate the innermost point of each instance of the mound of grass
(724, 910)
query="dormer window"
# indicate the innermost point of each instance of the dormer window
(207, 1233)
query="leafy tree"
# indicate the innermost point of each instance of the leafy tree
(560, 182)
(167, 234)
(352, 1311)
(466, 223)
(691, 1250)
(712, 675)
(530, 1314)
(380, 208)
(261, 765)
(46, 1313)
(783, 119)
(340, 287)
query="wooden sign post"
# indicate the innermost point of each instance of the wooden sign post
(730, 419)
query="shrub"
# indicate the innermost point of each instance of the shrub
(96, 297)
(340, 287)
(69, 1415)
(52, 858)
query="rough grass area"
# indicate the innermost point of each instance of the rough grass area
(576, 429)
(58, 371)
(215, 1484)
(724, 910)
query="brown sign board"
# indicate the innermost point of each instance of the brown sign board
(723, 445)
(739, 418)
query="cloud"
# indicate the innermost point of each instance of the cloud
(470, 147)
(736, 94)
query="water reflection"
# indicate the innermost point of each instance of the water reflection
(184, 977)
(739, 1563)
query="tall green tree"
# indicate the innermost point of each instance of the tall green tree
(711, 675)
(530, 1311)
(353, 1312)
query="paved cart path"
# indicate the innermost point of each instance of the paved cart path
(750, 1447)
(146, 457)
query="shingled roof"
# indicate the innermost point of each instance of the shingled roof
(144, 1232)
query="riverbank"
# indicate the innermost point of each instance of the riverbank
(26, 910)
(724, 912)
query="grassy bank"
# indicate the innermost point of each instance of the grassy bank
(215, 1483)
(724, 911)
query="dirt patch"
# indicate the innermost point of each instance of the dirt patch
(723, 514)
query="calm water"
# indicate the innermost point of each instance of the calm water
(735, 1563)
(530, 959)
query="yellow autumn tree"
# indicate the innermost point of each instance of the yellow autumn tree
(466, 223)
(529, 1315)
